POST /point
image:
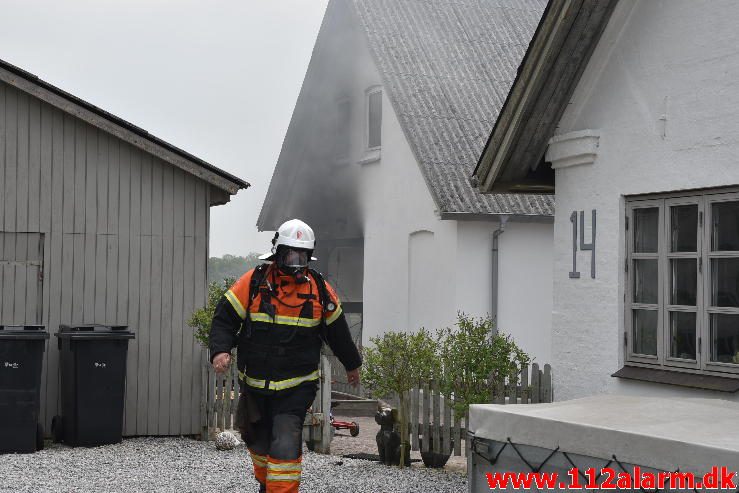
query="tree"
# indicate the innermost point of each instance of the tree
(231, 266)
(472, 353)
(396, 363)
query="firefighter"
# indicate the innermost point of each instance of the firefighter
(278, 315)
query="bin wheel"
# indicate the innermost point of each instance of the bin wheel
(311, 445)
(39, 437)
(57, 429)
(354, 430)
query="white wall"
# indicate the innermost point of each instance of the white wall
(525, 287)
(524, 280)
(663, 89)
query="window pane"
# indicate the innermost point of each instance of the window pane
(725, 227)
(684, 228)
(375, 119)
(645, 281)
(725, 338)
(684, 285)
(725, 282)
(645, 332)
(646, 222)
(682, 335)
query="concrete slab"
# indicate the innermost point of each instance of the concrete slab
(666, 434)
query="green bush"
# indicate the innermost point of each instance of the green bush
(472, 353)
(202, 318)
(396, 363)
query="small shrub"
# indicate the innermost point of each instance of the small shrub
(472, 353)
(202, 318)
(396, 363)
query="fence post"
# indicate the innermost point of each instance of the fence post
(524, 384)
(325, 445)
(204, 369)
(436, 437)
(447, 436)
(512, 384)
(547, 386)
(414, 417)
(535, 384)
(426, 418)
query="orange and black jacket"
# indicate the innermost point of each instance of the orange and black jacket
(279, 332)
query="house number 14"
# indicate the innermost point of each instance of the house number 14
(574, 274)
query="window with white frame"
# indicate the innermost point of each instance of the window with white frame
(374, 118)
(682, 294)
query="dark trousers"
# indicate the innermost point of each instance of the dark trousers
(272, 427)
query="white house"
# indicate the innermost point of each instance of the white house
(634, 104)
(395, 108)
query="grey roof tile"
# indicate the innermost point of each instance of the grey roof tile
(447, 66)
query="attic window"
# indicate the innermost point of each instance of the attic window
(374, 118)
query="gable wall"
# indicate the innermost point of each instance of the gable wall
(662, 87)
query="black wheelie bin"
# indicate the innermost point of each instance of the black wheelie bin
(21, 358)
(92, 361)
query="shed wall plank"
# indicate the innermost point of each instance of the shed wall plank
(34, 164)
(68, 173)
(46, 172)
(80, 176)
(102, 182)
(114, 147)
(133, 369)
(143, 335)
(3, 164)
(22, 165)
(91, 180)
(178, 317)
(11, 157)
(78, 279)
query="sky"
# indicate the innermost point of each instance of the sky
(217, 78)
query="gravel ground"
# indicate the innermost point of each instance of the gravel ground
(185, 465)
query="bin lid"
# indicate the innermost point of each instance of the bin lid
(23, 332)
(95, 331)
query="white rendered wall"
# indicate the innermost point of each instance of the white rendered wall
(525, 287)
(663, 90)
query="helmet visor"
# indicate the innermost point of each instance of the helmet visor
(296, 259)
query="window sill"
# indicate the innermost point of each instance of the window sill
(371, 156)
(682, 379)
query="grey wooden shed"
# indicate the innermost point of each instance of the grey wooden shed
(101, 222)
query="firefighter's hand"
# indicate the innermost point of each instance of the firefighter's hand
(221, 362)
(352, 377)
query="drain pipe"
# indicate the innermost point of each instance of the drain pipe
(496, 234)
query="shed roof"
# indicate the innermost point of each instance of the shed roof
(119, 127)
(447, 67)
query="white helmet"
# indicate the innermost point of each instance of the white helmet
(293, 233)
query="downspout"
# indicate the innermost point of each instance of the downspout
(495, 287)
